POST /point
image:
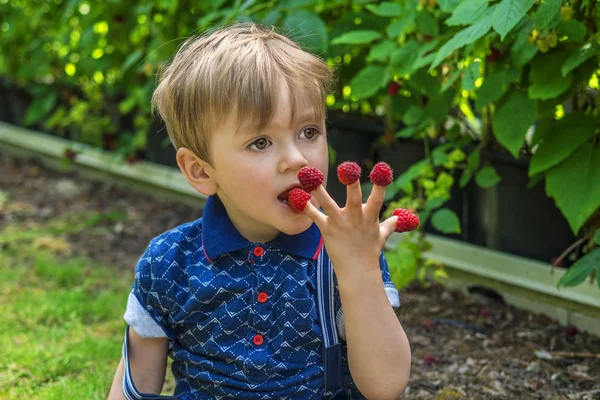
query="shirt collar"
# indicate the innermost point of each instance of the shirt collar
(219, 235)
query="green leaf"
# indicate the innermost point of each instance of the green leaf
(308, 29)
(574, 185)
(404, 26)
(439, 106)
(512, 120)
(494, 87)
(487, 177)
(448, 5)
(467, 12)
(357, 37)
(561, 140)
(402, 60)
(40, 107)
(472, 73)
(465, 36)
(367, 82)
(546, 80)
(386, 9)
(474, 160)
(273, 17)
(572, 29)
(423, 82)
(381, 51)
(542, 127)
(426, 54)
(406, 132)
(597, 240)
(546, 12)
(450, 80)
(579, 56)
(409, 175)
(132, 59)
(508, 13)
(522, 52)
(427, 23)
(413, 115)
(402, 264)
(296, 4)
(579, 271)
(465, 178)
(445, 221)
(435, 202)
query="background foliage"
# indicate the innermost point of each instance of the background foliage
(464, 77)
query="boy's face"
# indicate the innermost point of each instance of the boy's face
(254, 170)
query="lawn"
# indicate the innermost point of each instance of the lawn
(61, 316)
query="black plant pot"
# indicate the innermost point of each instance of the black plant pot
(158, 146)
(14, 102)
(510, 217)
(352, 137)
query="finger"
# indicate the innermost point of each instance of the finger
(354, 196)
(388, 226)
(327, 203)
(317, 216)
(375, 201)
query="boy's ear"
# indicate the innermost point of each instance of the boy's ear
(198, 172)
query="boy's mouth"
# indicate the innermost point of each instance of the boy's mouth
(283, 196)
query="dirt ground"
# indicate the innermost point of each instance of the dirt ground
(462, 347)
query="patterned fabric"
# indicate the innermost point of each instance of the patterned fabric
(241, 317)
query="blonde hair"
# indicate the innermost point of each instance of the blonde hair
(236, 69)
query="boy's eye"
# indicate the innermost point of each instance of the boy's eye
(310, 133)
(259, 144)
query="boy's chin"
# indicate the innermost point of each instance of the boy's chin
(297, 227)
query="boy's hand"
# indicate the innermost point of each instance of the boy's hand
(353, 234)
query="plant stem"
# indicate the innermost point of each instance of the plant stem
(568, 250)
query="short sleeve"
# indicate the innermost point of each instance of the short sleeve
(149, 304)
(390, 291)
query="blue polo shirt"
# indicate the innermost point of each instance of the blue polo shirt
(240, 316)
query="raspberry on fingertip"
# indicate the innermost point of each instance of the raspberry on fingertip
(381, 174)
(348, 172)
(298, 199)
(310, 178)
(407, 221)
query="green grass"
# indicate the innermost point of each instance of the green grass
(61, 322)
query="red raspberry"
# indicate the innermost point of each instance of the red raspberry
(348, 172)
(381, 174)
(298, 199)
(572, 330)
(310, 178)
(494, 55)
(393, 88)
(429, 359)
(407, 221)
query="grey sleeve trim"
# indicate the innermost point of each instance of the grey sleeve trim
(141, 322)
(393, 297)
(392, 294)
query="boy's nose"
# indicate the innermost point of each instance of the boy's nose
(292, 159)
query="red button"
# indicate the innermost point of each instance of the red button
(258, 340)
(262, 297)
(259, 251)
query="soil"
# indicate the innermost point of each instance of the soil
(463, 347)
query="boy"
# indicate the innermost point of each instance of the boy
(231, 297)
